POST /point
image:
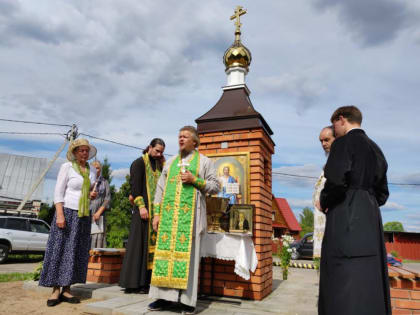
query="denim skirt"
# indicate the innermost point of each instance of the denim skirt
(67, 254)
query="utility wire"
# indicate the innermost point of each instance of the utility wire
(32, 133)
(112, 141)
(118, 143)
(313, 177)
(134, 147)
(34, 122)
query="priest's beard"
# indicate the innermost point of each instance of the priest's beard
(326, 153)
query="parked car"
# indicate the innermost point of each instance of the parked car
(19, 235)
(304, 248)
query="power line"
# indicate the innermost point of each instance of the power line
(32, 133)
(111, 141)
(134, 147)
(116, 142)
(294, 175)
(313, 177)
(34, 122)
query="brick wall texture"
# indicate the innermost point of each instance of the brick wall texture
(405, 296)
(225, 282)
(104, 268)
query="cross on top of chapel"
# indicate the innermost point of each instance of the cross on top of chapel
(238, 13)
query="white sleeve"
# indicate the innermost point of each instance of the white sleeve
(60, 186)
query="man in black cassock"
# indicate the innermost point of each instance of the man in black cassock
(144, 172)
(353, 272)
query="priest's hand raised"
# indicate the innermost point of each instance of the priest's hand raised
(187, 177)
(144, 214)
(155, 223)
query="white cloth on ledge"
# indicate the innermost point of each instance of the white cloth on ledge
(237, 247)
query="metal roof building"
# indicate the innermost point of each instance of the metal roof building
(18, 174)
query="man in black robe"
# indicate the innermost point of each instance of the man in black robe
(144, 172)
(354, 273)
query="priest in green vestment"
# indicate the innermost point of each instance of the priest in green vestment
(180, 220)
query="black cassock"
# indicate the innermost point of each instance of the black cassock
(134, 273)
(353, 272)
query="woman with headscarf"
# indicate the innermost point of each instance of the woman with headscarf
(67, 253)
(98, 207)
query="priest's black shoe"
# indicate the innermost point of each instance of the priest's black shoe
(71, 300)
(53, 302)
(159, 305)
(131, 290)
(188, 310)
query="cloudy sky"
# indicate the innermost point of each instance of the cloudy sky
(132, 70)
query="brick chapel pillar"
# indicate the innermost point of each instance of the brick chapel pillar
(233, 125)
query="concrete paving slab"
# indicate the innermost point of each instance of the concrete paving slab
(80, 290)
(107, 307)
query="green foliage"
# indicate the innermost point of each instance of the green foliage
(394, 226)
(37, 272)
(119, 217)
(394, 253)
(306, 221)
(317, 263)
(15, 276)
(286, 254)
(47, 213)
(106, 170)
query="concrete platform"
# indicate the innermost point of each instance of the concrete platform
(297, 295)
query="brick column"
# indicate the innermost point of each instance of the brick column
(261, 148)
(105, 266)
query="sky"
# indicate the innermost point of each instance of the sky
(131, 70)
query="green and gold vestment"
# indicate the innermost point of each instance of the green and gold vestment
(174, 239)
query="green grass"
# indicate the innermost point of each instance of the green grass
(25, 257)
(410, 261)
(16, 276)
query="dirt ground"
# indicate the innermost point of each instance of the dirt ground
(15, 300)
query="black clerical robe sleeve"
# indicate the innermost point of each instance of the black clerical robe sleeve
(381, 181)
(138, 183)
(336, 172)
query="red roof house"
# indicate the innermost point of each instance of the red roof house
(284, 220)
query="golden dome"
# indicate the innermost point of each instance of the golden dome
(237, 55)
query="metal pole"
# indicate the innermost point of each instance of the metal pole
(71, 135)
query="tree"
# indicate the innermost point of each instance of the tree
(118, 219)
(306, 221)
(47, 212)
(394, 226)
(106, 170)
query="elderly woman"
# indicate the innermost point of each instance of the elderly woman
(67, 253)
(98, 207)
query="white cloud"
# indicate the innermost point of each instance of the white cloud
(120, 173)
(390, 205)
(130, 71)
(300, 203)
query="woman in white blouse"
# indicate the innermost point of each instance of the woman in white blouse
(67, 253)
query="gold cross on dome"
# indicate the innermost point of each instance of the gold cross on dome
(185, 208)
(164, 237)
(182, 239)
(238, 12)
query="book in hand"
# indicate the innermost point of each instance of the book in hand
(97, 226)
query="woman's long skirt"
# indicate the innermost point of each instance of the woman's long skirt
(134, 273)
(67, 254)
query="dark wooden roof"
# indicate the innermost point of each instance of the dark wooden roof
(233, 111)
